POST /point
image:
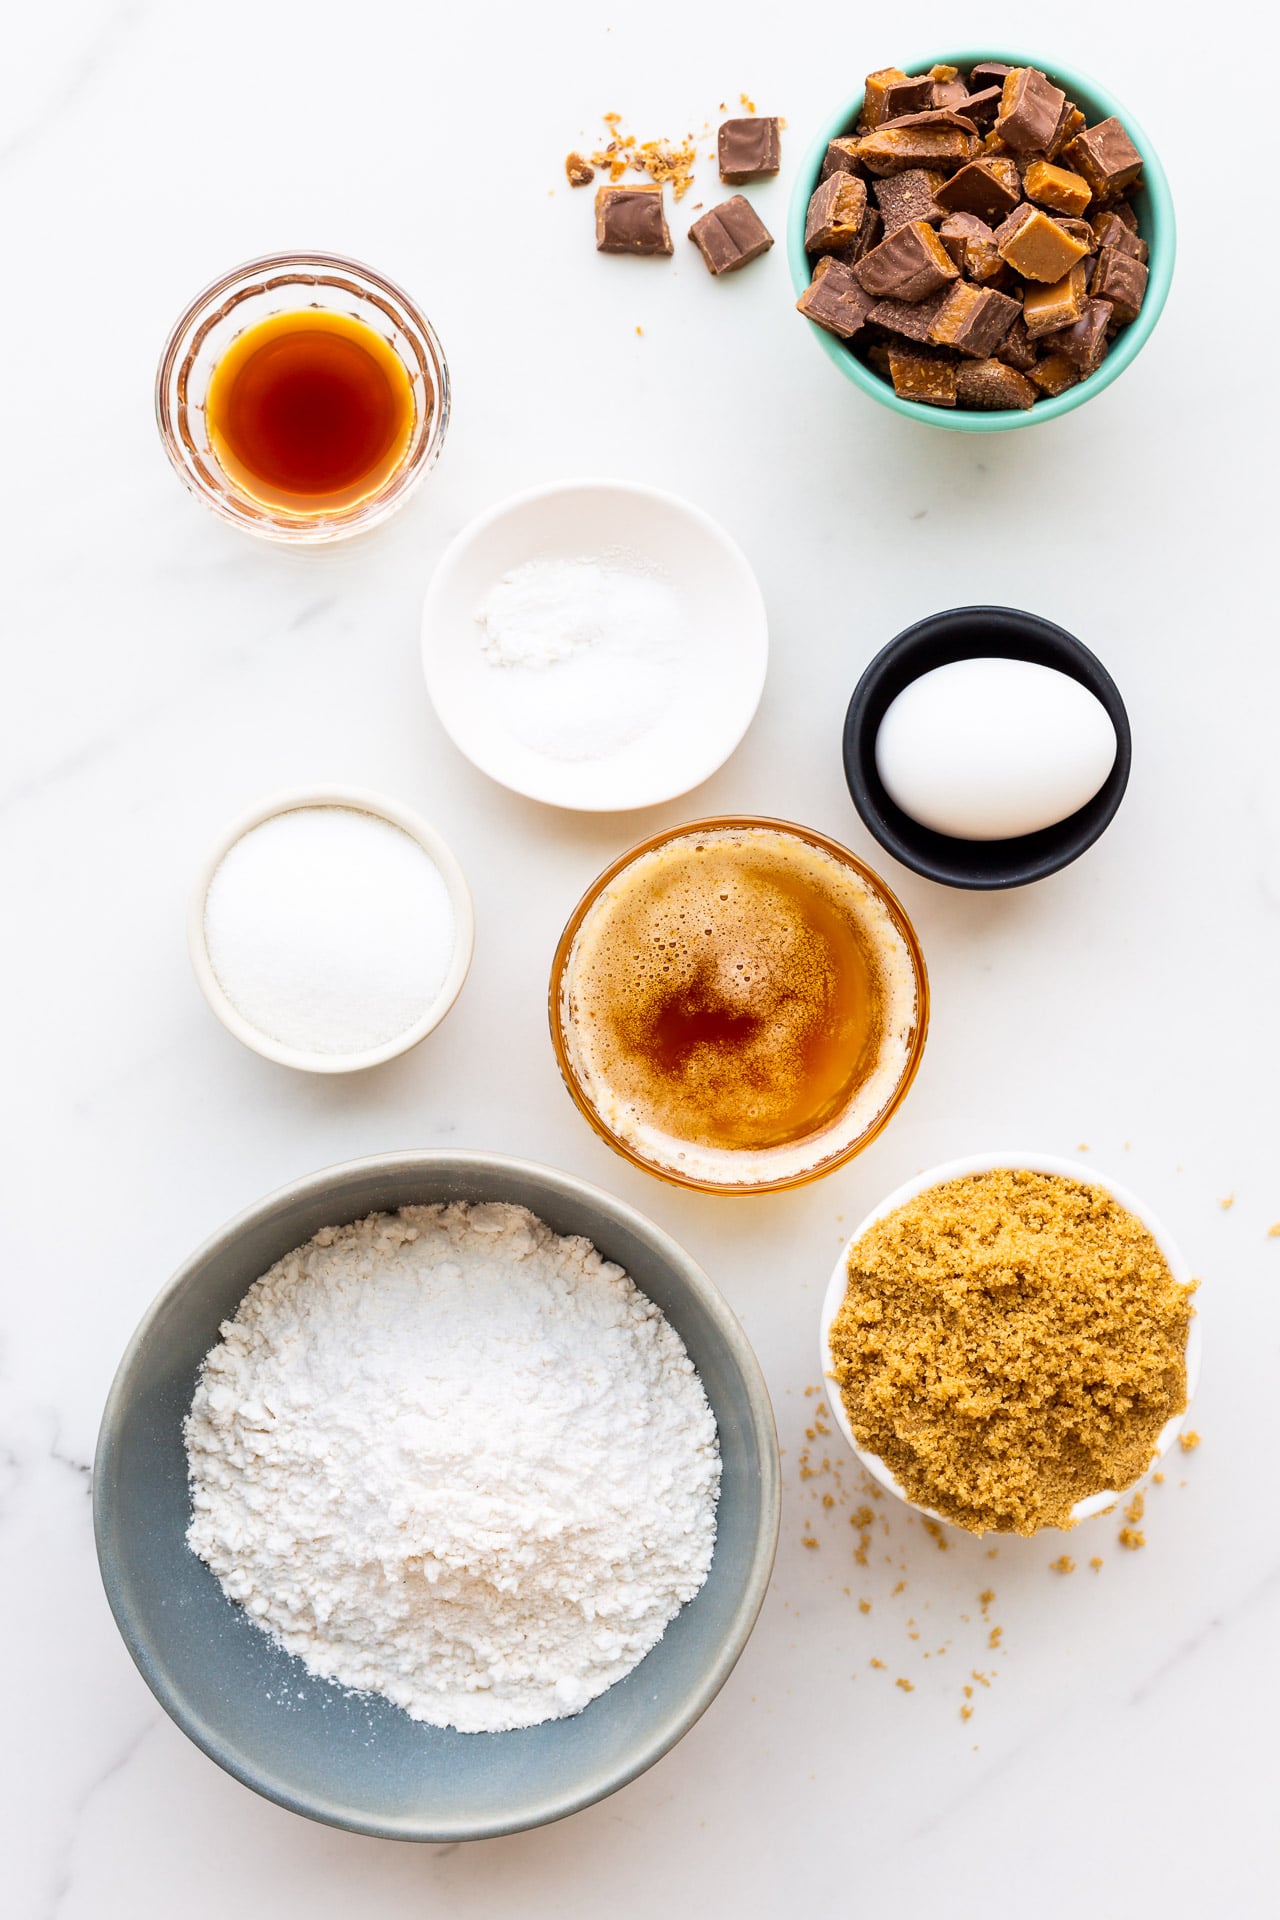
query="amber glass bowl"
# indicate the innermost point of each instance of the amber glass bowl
(793, 1175)
(286, 283)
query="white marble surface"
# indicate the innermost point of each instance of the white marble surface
(163, 672)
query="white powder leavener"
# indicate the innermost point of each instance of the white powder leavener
(450, 1457)
(329, 929)
(586, 651)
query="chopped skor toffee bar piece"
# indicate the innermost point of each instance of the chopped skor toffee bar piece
(631, 220)
(981, 107)
(834, 300)
(1036, 246)
(1054, 374)
(579, 170)
(1085, 344)
(990, 187)
(1030, 107)
(1107, 158)
(972, 245)
(835, 213)
(992, 384)
(894, 149)
(988, 249)
(907, 264)
(749, 148)
(917, 378)
(875, 99)
(974, 320)
(904, 197)
(730, 235)
(1056, 188)
(1122, 280)
(841, 157)
(909, 319)
(1111, 231)
(1047, 308)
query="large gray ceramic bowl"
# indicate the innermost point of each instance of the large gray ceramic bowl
(354, 1760)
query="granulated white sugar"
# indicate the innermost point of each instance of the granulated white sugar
(329, 929)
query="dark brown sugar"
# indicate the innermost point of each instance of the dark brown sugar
(1010, 1343)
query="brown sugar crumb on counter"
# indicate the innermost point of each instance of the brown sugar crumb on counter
(1189, 1441)
(905, 1685)
(1096, 1563)
(1132, 1538)
(1010, 1343)
(877, 1664)
(1063, 1564)
(1135, 1509)
(1227, 1201)
(864, 1606)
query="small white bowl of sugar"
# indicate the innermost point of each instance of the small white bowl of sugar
(331, 930)
(595, 644)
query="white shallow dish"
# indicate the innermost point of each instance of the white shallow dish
(988, 1163)
(716, 685)
(450, 872)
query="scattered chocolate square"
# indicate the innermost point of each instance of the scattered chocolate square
(631, 220)
(730, 235)
(973, 239)
(749, 148)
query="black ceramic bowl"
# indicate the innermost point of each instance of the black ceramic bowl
(974, 633)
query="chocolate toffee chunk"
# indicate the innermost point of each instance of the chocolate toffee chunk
(1107, 158)
(631, 220)
(1109, 230)
(841, 157)
(1054, 374)
(904, 197)
(834, 300)
(987, 247)
(835, 213)
(972, 245)
(981, 107)
(990, 187)
(1085, 344)
(894, 148)
(1070, 121)
(907, 264)
(1036, 246)
(908, 319)
(973, 320)
(869, 235)
(1122, 280)
(1030, 107)
(1018, 349)
(988, 73)
(1056, 188)
(730, 235)
(917, 378)
(1045, 309)
(749, 148)
(992, 384)
(579, 170)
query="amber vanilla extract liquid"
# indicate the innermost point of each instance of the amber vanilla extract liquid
(310, 412)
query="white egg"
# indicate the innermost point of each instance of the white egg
(990, 749)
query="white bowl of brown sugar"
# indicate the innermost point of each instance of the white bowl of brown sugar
(1010, 1342)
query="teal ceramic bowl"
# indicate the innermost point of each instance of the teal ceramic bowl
(1153, 206)
(354, 1760)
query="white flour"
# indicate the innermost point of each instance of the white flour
(450, 1457)
(584, 652)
